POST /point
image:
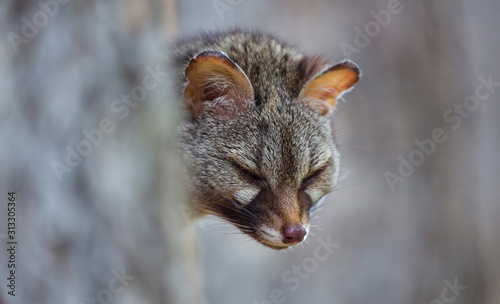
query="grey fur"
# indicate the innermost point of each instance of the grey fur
(280, 139)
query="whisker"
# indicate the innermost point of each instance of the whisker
(335, 132)
(343, 176)
(349, 104)
(343, 170)
(248, 212)
(353, 146)
(218, 210)
(345, 188)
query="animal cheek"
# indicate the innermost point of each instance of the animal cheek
(315, 193)
(245, 195)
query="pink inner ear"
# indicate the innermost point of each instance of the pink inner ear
(218, 83)
(322, 91)
(210, 94)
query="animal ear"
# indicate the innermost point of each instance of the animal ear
(322, 91)
(217, 82)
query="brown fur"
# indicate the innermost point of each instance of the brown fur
(267, 166)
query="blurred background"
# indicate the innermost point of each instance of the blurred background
(416, 218)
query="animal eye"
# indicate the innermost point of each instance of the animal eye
(312, 177)
(248, 173)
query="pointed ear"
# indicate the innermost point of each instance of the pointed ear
(216, 81)
(322, 91)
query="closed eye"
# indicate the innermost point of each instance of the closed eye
(249, 174)
(312, 177)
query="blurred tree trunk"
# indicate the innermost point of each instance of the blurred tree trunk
(109, 226)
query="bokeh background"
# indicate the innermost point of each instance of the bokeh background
(120, 209)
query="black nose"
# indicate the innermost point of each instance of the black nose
(293, 233)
